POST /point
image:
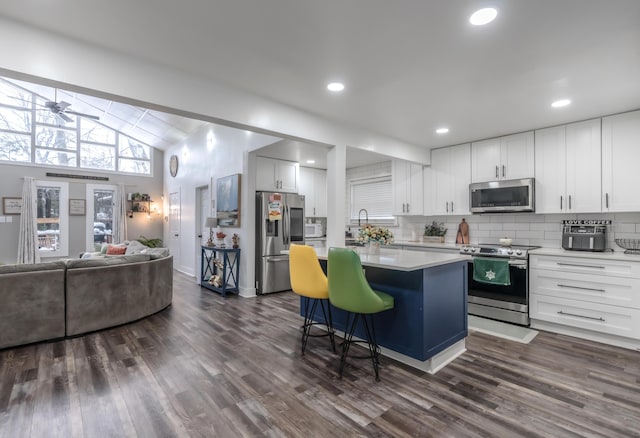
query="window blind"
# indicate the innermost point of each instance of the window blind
(374, 195)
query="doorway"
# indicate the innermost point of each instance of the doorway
(203, 211)
(174, 227)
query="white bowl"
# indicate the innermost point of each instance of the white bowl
(505, 241)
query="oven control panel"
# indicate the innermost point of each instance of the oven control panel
(495, 251)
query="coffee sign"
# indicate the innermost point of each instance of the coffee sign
(586, 222)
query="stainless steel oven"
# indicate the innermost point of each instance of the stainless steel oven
(503, 303)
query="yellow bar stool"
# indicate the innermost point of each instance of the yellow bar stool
(308, 280)
(349, 290)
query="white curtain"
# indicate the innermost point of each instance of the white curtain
(28, 237)
(119, 229)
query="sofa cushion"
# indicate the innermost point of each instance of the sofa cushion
(156, 253)
(44, 266)
(107, 261)
(135, 247)
(116, 250)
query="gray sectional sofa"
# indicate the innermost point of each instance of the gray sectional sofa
(66, 298)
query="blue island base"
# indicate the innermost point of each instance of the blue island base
(428, 325)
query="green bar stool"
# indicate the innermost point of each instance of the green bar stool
(349, 290)
(308, 280)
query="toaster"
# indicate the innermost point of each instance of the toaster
(584, 237)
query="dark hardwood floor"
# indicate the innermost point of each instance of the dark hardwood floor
(230, 367)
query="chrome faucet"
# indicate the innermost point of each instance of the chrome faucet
(366, 216)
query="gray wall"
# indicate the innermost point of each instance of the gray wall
(11, 186)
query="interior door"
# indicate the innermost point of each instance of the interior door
(174, 227)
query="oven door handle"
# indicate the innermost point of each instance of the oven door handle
(518, 264)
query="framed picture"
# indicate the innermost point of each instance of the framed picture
(11, 205)
(228, 201)
(77, 207)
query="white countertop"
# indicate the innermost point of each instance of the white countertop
(421, 244)
(605, 255)
(399, 260)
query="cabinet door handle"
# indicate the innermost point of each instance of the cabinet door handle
(504, 172)
(451, 206)
(497, 171)
(569, 202)
(580, 316)
(581, 288)
(606, 198)
(314, 211)
(560, 202)
(447, 206)
(579, 266)
(407, 207)
(404, 207)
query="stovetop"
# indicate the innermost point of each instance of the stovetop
(494, 250)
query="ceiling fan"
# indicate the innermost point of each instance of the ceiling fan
(61, 109)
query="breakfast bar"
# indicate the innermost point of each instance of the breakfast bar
(427, 327)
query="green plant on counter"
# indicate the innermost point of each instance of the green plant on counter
(435, 229)
(151, 243)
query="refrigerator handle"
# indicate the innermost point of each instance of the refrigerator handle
(285, 225)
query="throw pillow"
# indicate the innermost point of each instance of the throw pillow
(116, 250)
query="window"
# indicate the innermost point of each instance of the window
(26, 122)
(100, 199)
(375, 196)
(53, 215)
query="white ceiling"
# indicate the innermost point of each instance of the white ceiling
(409, 66)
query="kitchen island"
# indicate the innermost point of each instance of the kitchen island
(427, 327)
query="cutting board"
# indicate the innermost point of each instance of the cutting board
(463, 232)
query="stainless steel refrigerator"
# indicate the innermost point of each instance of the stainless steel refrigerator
(279, 223)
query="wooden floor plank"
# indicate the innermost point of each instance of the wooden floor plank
(230, 367)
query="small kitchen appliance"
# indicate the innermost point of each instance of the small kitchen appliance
(312, 230)
(581, 237)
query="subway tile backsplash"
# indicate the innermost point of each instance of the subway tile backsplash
(524, 228)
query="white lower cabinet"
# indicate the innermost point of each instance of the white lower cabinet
(598, 295)
(612, 320)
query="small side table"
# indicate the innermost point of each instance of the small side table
(230, 258)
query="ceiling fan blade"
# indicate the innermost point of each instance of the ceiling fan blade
(64, 117)
(63, 105)
(86, 116)
(50, 104)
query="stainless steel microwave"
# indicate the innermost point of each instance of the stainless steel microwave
(505, 196)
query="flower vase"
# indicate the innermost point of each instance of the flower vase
(374, 248)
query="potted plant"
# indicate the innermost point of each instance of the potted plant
(375, 236)
(434, 232)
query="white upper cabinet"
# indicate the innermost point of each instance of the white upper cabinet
(313, 185)
(447, 181)
(407, 182)
(508, 157)
(620, 159)
(276, 175)
(567, 168)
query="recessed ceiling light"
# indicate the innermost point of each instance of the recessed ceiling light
(311, 161)
(442, 130)
(560, 103)
(335, 86)
(483, 16)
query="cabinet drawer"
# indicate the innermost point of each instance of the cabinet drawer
(583, 265)
(601, 318)
(615, 291)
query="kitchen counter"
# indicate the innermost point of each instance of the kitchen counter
(399, 260)
(606, 255)
(427, 327)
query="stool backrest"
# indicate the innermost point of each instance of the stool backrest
(348, 287)
(305, 273)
